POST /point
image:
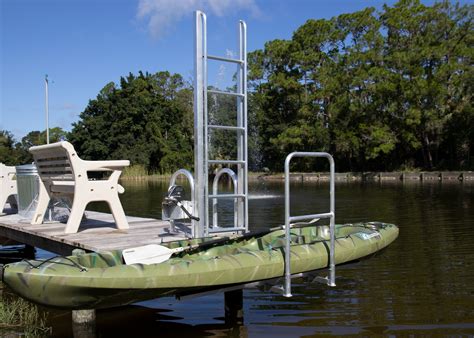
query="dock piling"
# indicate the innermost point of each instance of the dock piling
(234, 307)
(83, 321)
(83, 316)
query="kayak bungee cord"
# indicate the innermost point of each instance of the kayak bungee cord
(77, 265)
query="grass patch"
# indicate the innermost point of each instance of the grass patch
(139, 172)
(134, 171)
(19, 317)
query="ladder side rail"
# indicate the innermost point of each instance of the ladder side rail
(242, 122)
(243, 57)
(288, 218)
(206, 136)
(200, 22)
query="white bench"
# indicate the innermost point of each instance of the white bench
(8, 188)
(63, 173)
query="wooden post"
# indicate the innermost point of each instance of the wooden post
(83, 316)
(234, 307)
(83, 321)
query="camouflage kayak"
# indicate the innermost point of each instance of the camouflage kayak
(100, 280)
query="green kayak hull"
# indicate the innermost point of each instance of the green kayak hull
(101, 280)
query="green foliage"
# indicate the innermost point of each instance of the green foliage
(8, 155)
(34, 138)
(146, 119)
(378, 90)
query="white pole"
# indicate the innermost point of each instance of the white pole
(47, 108)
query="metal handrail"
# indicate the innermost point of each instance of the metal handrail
(190, 178)
(331, 280)
(215, 186)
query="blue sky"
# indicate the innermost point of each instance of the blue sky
(84, 44)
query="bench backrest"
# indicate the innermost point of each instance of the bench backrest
(58, 162)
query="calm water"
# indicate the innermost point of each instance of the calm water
(422, 284)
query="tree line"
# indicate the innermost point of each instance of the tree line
(380, 90)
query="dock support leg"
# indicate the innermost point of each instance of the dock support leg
(234, 307)
(30, 251)
(83, 323)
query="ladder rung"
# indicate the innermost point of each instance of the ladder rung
(293, 219)
(227, 196)
(224, 93)
(219, 229)
(225, 162)
(212, 126)
(220, 58)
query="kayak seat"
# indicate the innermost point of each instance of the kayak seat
(63, 174)
(104, 259)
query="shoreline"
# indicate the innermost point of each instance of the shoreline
(347, 176)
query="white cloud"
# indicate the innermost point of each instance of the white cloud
(160, 15)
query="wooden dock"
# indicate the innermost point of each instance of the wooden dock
(96, 233)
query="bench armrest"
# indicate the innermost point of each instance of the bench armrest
(106, 165)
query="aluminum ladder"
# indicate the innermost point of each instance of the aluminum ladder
(202, 129)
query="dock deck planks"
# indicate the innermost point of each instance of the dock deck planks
(97, 233)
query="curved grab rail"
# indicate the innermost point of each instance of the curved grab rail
(215, 183)
(190, 178)
(331, 280)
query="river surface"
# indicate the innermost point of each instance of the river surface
(422, 284)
